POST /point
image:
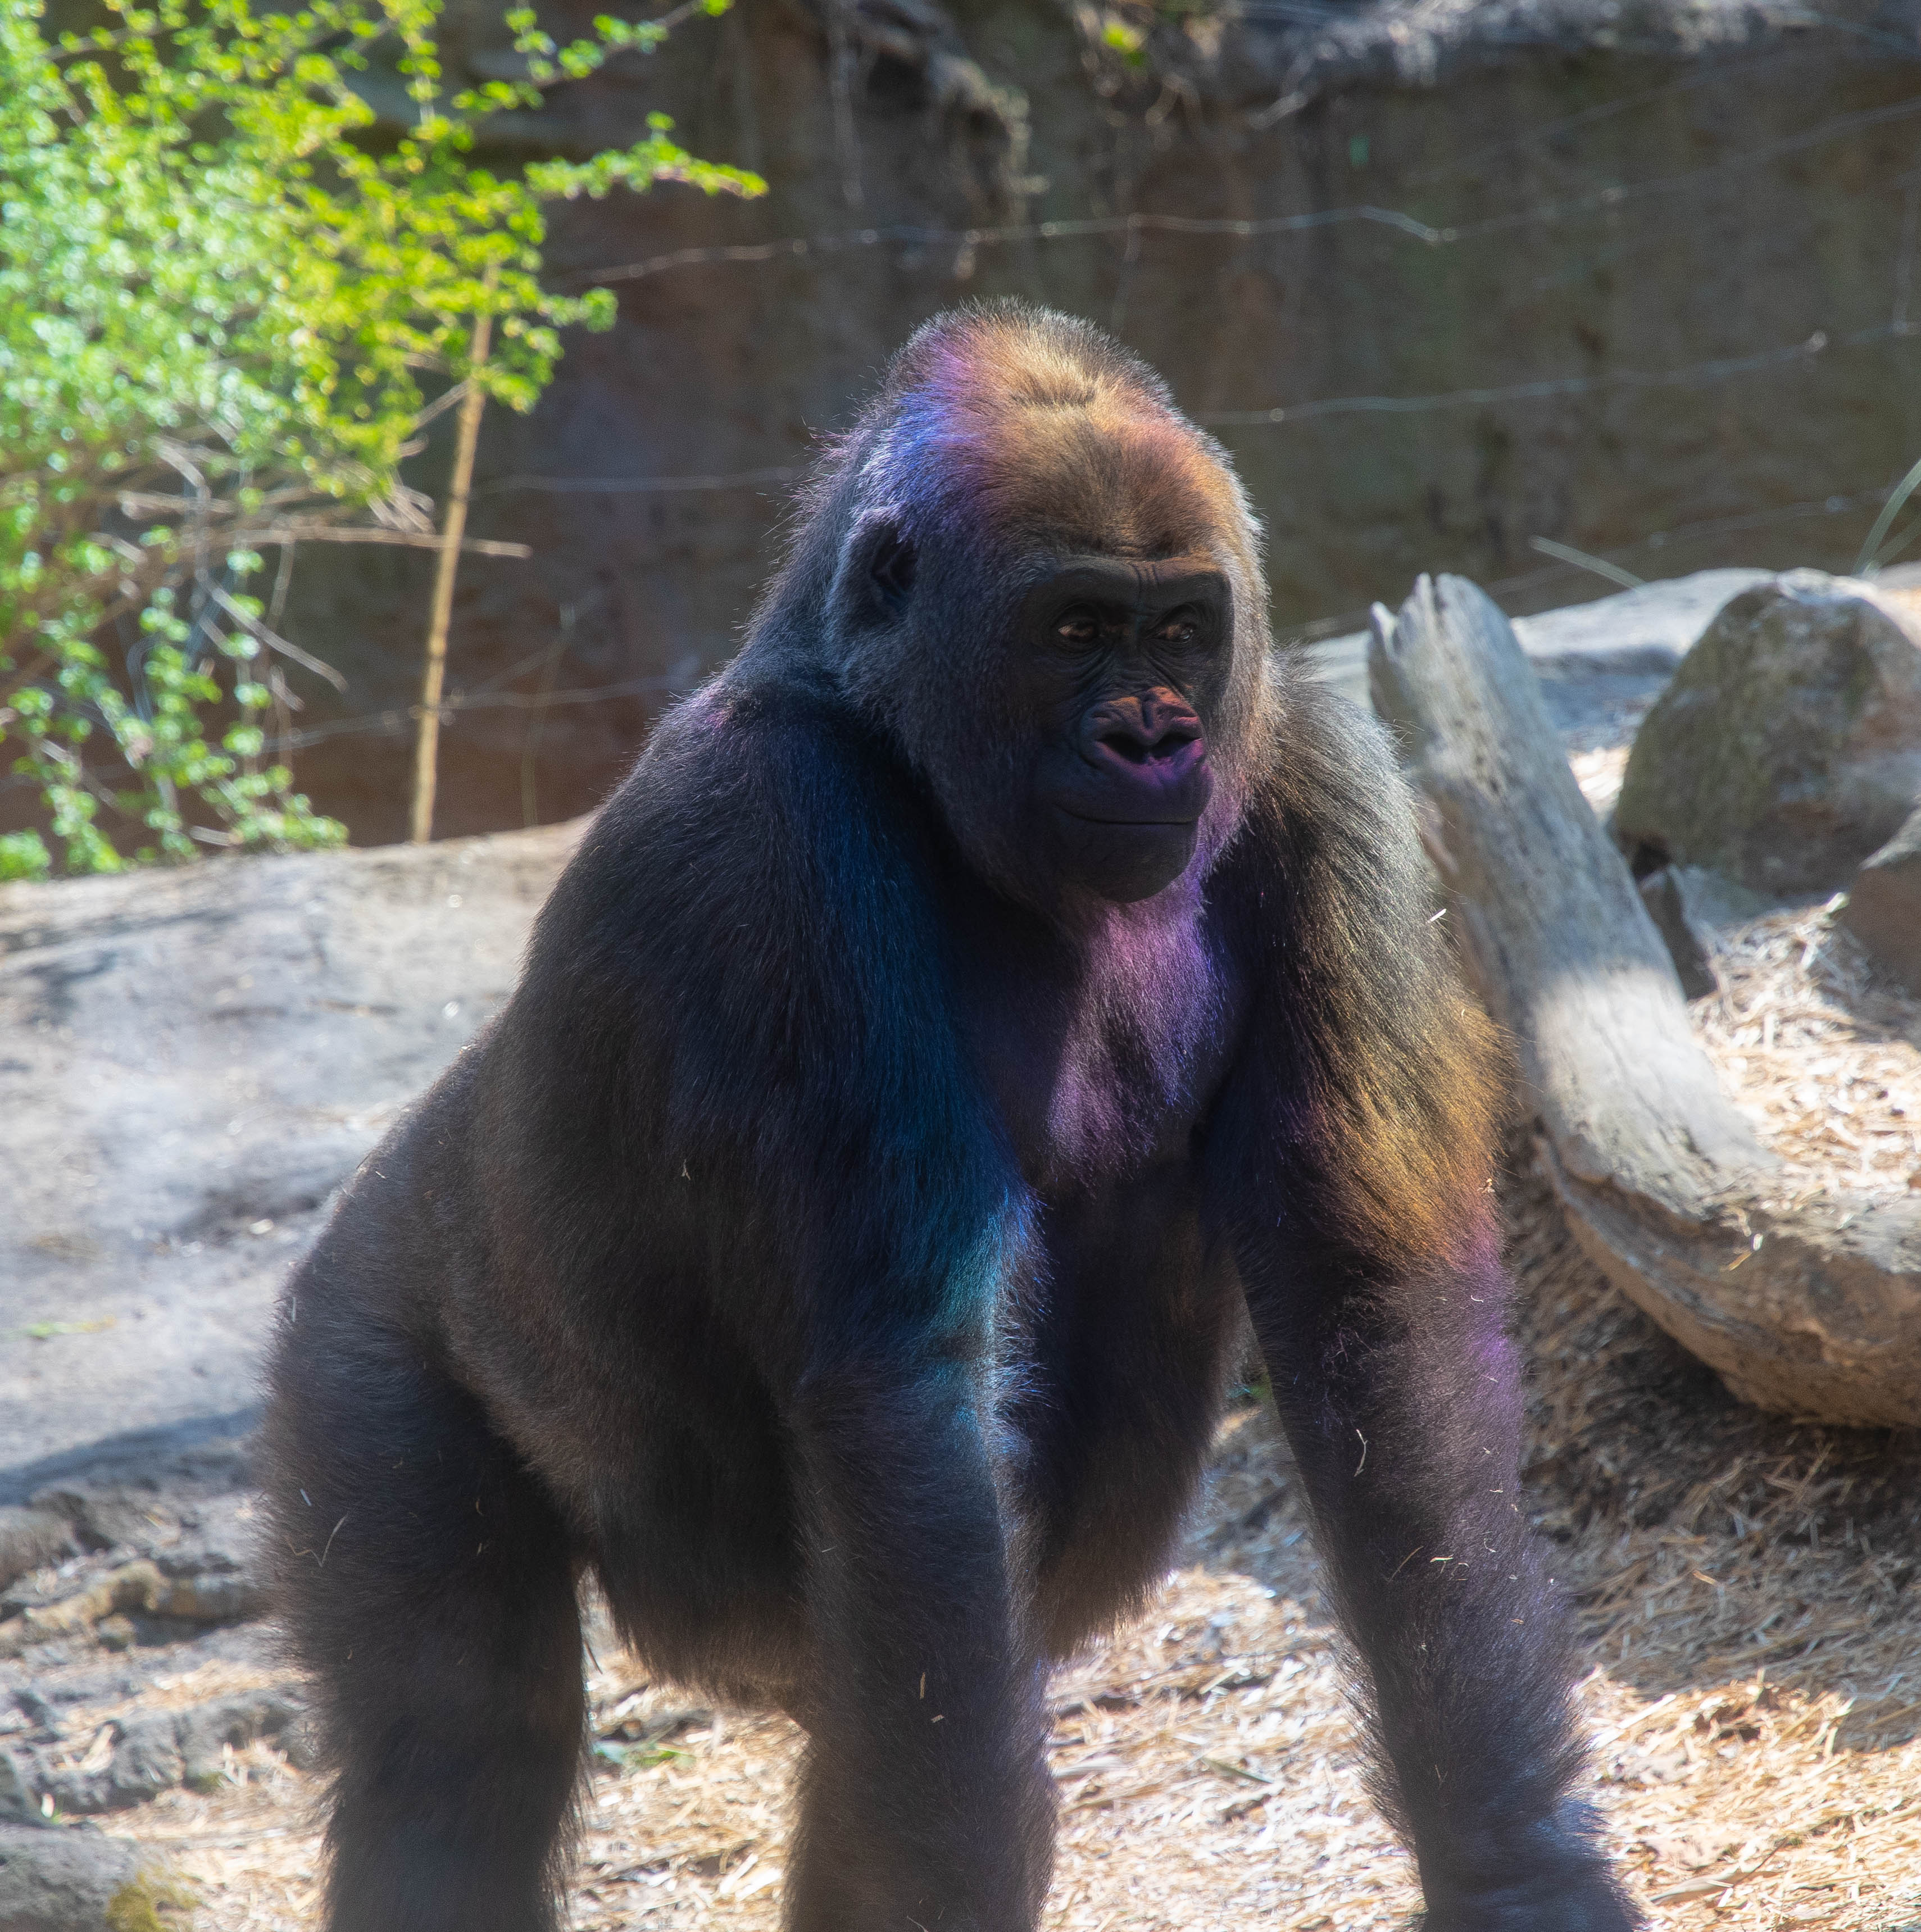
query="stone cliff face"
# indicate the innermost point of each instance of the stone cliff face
(1445, 278)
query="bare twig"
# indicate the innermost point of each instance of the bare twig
(359, 533)
(466, 438)
(275, 641)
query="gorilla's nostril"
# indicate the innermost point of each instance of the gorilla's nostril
(1144, 744)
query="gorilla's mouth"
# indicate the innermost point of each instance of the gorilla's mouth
(1147, 803)
(1172, 792)
(1121, 828)
(1128, 819)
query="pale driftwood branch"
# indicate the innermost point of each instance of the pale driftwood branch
(1812, 1309)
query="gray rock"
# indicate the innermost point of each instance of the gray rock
(112, 1518)
(315, 995)
(1788, 746)
(204, 1546)
(205, 1598)
(147, 1760)
(71, 1880)
(235, 1720)
(19, 1790)
(201, 1455)
(1715, 904)
(34, 1707)
(1691, 908)
(217, 1553)
(1883, 909)
(29, 1538)
(1688, 948)
(162, 1749)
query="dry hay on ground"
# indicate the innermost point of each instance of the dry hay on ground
(1822, 1056)
(1747, 1600)
(1749, 1618)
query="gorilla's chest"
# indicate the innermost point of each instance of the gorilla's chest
(1103, 1056)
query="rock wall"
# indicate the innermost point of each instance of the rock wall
(1445, 279)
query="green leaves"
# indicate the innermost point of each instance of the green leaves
(219, 299)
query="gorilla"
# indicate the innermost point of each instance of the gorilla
(1005, 982)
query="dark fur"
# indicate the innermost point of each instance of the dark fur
(840, 1242)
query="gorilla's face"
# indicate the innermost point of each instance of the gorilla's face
(1117, 667)
(1075, 714)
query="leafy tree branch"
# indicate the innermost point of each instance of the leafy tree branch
(221, 302)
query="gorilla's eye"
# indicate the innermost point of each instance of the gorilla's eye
(1180, 629)
(1078, 628)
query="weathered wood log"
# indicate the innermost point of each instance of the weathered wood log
(1813, 1310)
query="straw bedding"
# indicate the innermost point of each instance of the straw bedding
(1821, 1054)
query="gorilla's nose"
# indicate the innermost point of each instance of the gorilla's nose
(1145, 730)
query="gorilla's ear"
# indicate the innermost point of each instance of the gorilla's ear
(877, 578)
(893, 567)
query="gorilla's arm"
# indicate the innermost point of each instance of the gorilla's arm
(1352, 1167)
(926, 1796)
(746, 943)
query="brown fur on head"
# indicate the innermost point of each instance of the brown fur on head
(1044, 431)
(1005, 439)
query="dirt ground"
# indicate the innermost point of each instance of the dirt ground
(1749, 1622)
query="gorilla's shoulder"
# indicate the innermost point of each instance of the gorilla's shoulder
(1324, 763)
(1335, 734)
(1329, 826)
(761, 805)
(745, 746)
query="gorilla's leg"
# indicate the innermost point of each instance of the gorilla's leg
(428, 1583)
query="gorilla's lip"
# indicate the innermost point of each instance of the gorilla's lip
(1123, 800)
(1090, 818)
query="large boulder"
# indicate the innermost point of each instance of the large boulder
(1883, 909)
(1788, 748)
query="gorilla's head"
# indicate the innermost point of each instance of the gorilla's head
(1043, 582)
